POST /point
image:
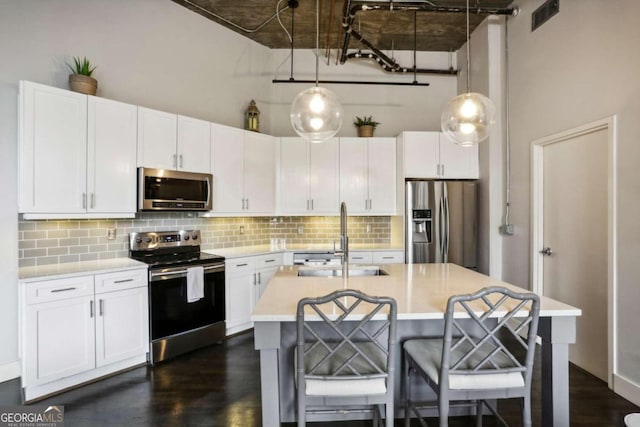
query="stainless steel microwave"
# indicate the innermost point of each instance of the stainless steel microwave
(167, 190)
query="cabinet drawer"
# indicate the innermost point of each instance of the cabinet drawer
(239, 266)
(394, 257)
(121, 280)
(271, 260)
(360, 257)
(58, 289)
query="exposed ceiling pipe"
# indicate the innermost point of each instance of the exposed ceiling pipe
(395, 67)
(349, 14)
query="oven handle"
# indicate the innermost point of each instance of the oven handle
(167, 274)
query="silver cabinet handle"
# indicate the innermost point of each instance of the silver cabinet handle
(255, 281)
(181, 163)
(101, 307)
(243, 203)
(123, 281)
(442, 170)
(307, 204)
(84, 200)
(269, 260)
(63, 290)
(91, 308)
(247, 204)
(260, 278)
(242, 265)
(311, 204)
(175, 161)
(387, 257)
(93, 200)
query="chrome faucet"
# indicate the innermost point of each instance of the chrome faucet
(343, 253)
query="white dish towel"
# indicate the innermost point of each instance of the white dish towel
(195, 283)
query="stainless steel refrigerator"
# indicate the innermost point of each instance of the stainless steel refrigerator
(441, 222)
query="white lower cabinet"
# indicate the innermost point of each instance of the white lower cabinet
(246, 280)
(77, 329)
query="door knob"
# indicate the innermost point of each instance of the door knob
(546, 251)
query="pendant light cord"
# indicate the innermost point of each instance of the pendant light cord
(468, 54)
(318, 38)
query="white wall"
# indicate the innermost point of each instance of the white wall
(582, 65)
(154, 53)
(148, 52)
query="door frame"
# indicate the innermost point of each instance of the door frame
(537, 222)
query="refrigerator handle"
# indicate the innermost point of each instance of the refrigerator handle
(442, 228)
(447, 225)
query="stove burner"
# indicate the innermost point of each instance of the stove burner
(169, 248)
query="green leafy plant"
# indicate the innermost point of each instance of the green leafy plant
(81, 66)
(365, 121)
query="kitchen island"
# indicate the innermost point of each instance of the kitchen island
(421, 292)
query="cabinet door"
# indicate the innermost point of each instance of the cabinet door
(240, 300)
(122, 325)
(60, 339)
(194, 145)
(111, 156)
(52, 150)
(457, 161)
(353, 174)
(324, 179)
(156, 139)
(227, 160)
(382, 176)
(294, 176)
(264, 275)
(421, 154)
(259, 173)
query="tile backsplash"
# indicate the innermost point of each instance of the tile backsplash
(59, 241)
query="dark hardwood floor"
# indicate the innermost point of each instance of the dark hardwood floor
(220, 386)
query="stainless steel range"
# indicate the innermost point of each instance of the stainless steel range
(178, 325)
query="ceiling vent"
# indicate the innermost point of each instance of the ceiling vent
(544, 13)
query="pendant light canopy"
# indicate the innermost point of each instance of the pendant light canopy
(467, 119)
(316, 113)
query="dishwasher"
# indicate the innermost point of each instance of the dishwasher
(316, 258)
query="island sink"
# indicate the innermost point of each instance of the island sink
(337, 271)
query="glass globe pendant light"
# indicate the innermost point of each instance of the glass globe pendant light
(467, 119)
(316, 113)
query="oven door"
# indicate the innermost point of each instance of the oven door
(170, 312)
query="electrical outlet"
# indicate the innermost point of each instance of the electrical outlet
(507, 229)
(300, 229)
(111, 234)
(242, 229)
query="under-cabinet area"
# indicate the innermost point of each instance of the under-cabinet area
(81, 327)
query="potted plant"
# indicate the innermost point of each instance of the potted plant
(365, 126)
(80, 80)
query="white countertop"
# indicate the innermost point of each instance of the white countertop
(420, 290)
(71, 269)
(242, 251)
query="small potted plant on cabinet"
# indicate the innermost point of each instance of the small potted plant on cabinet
(80, 80)
(365, 126)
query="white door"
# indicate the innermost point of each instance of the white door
(324, 179)
(456, 161)
(259, 173)
(63, 341)
(227, 160)
(382, 176)
(111, 156)
(157, 139)
(353, 174)
(194, 145)
(53, 150)
(241, 290)
(264, 275)
(294, 175)
(575, 231)
(421, 154)
(122, 325)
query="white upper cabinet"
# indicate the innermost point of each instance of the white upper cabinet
(308, 180)
(243, 164)
(368, 175)
(77, 155)
(433, 155)
(168, 141)
(194, 145)
(157, 133)
(111, 156)
(52, 150)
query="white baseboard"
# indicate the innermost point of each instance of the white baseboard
(627, 389)
(9, 371)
